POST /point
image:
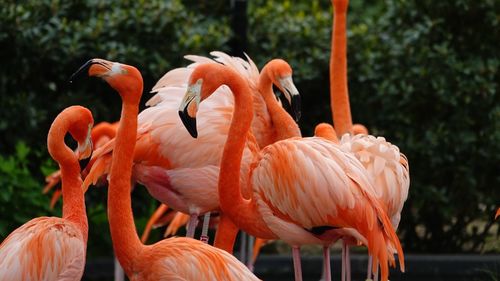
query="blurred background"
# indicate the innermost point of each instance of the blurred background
(422, 73)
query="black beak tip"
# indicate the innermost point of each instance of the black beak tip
(80, 70)
(296, 102)
(84, 162)
(189, 123)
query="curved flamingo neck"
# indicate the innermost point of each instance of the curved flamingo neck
(126, 242)
(339, 96)
(73, 197)
(242, 212)
(283, 123)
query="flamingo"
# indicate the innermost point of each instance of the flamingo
(187, 179)
(382, 160)
(295, 197)
(53, 248)
(497, 214)
(100, 134)
(169, 259)
(321, 130)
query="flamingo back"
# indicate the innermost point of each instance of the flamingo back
(388, 167)
(45, 248)
(183, 258)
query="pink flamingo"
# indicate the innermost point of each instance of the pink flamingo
(169, 259)
(295, 197)
(52, 248)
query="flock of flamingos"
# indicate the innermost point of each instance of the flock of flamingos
(216, 139)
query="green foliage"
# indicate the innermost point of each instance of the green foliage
(45, 41)
(425, 75)
(20, 198)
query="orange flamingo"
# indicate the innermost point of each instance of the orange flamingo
(381, 159)
(100, 134)
(294, 195)
(169, 259)
(321, 130)
(188, 180)
(52, 248)
(497, 214)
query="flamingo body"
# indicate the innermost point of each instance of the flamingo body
(52, 248)
(328, 188)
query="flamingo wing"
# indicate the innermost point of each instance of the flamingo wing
(311, 178)
(45, 248)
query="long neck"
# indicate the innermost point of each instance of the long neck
(242, 212)
(339, 97)
(73, 196)
(126, 243)
(283, 124)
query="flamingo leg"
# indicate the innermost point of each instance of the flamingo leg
(369, 269)
(327, 272)
(249, 262)
(192, 226)
(296, 263)
(343, 273)
(347, 263)
(375, 274)
(204, 230)
(152, 220)
(55, 198)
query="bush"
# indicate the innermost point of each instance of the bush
(17, 190)
(425, 75)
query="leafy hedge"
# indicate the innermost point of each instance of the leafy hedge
(422, 73)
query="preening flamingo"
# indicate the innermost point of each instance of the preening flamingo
(169, 259)
(303, 189)
(187, 182)
(100, 134)
(52, 248)
(382, 160)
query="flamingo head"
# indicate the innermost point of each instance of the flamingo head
(204, 80)
(280, 74)
(125, 79)
(80, 129)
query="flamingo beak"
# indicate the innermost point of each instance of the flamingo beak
(189, 107)
(292, 96)
(84, 149)
(99, 68)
